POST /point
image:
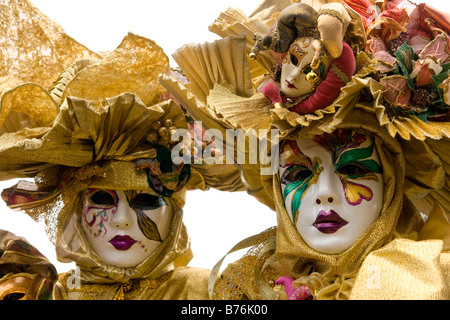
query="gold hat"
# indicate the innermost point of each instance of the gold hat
(29, 29)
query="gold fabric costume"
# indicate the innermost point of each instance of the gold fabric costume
(101, 115)
(399, 256)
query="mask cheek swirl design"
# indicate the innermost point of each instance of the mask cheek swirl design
(299, 173)
(98, 207)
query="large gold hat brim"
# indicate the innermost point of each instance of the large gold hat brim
(97, 110)
(112, 75)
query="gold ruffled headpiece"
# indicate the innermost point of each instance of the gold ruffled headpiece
(94, 129)
(414, 152)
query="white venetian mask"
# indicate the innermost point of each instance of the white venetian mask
(295, 67)
(124, 227)
(332, 187)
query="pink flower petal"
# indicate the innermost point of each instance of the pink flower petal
(397, 93)
(437, 48)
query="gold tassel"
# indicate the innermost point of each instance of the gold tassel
(123, 288)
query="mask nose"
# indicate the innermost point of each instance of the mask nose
(122, 218)
(296, 72)
(329, 187)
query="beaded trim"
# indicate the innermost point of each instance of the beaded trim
(340, 73)
(333, 13)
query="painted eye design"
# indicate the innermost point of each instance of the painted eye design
(147, 201)
(142, 202)
(102, 198)
(294, 60)
(297, 173)
(353, 170)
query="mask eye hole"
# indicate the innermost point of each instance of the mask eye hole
(294, 60)
(102, 198)
(353, 169)
(147, 201)
(296, 174)
(307, 69)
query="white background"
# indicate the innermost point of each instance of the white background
(215, 220)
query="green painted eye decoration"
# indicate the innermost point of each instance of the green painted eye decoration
(297, 179)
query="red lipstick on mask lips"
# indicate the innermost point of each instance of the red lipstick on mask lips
(290, 85)
(122, 242)
(329, 222)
